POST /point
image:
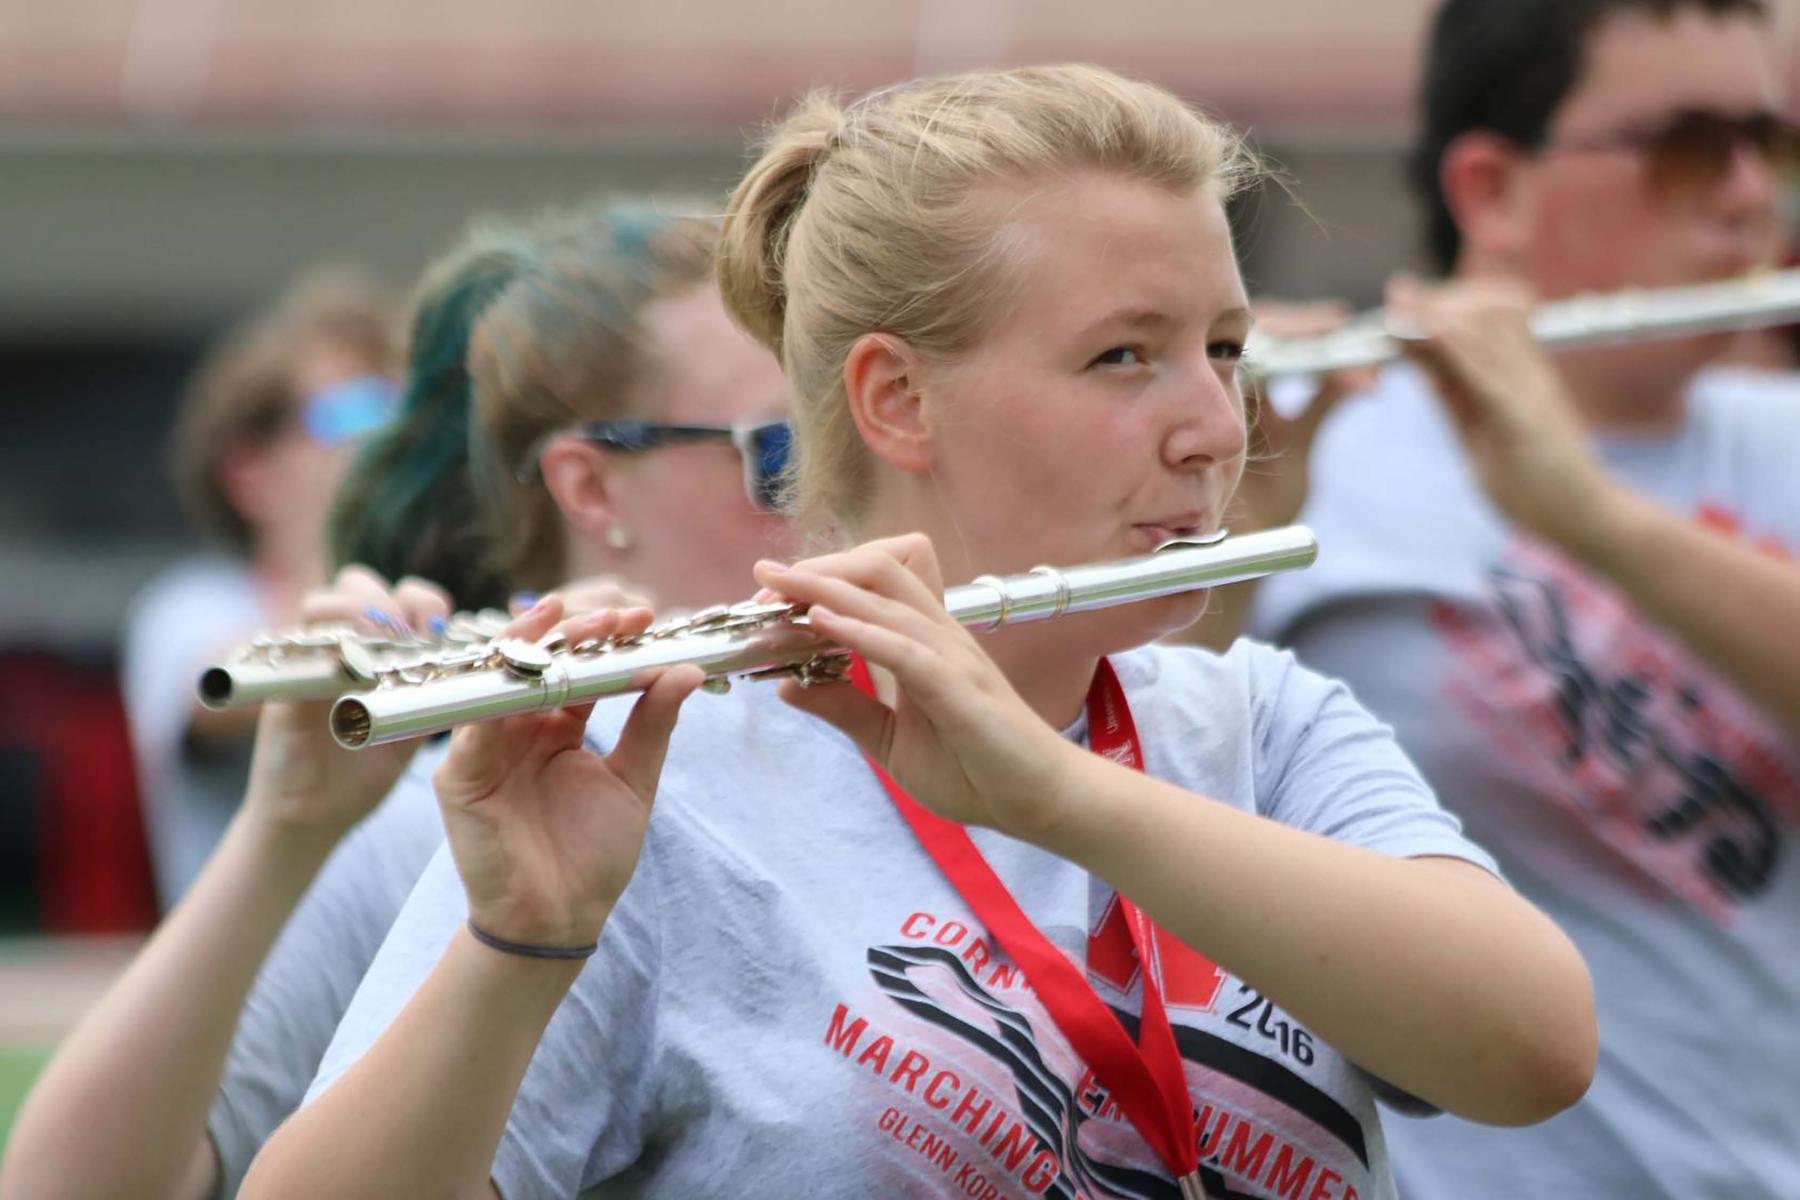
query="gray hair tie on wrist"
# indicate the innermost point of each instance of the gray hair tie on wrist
(525, 951)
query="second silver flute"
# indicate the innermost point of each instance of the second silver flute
(761, 640)
(1750, 302)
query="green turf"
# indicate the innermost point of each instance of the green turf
(18, 1067)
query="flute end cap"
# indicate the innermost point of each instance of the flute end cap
(215, 687)
(351, 725)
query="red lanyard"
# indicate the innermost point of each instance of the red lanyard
(1146, 1079)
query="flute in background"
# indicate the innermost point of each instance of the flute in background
(1752, 302)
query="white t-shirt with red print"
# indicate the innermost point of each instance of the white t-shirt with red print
(790, 1000)
(1638, 798)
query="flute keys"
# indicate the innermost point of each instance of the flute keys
(525, 659)
(357, 662)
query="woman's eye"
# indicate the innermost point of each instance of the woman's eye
(1226, 351)
(1119, 356)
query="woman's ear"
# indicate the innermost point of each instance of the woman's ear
(1486, 185)
(882, 378)
(577, 477)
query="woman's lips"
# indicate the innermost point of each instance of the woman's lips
(1157, 534)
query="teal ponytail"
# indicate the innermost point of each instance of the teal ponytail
(517, 334)
(408, 505)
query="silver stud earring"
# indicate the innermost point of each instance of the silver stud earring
(618, 536)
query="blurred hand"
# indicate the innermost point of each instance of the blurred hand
(545, 832)
(958, 738)
(589, 593)
(301, 779)
(1276, 475)
(1523, 437)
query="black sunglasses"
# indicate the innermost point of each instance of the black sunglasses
(762, 445)
(1694, 148)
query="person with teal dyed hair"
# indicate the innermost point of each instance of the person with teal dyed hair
(544, 364)
(577, 404)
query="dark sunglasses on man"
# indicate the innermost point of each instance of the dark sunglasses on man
(762, 445)
(1694, 148)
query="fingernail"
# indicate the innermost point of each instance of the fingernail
(526, 600)
(379, 617)
(438, 625)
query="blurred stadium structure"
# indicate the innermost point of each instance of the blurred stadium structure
(166, 164)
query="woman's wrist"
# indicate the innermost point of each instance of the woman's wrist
(280, 832)
(1057, 808)
(525, 923)
(554, 975)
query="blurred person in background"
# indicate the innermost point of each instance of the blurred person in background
(260, 441)
(547, 362)
(1569, 585)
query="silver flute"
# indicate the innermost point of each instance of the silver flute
(767, 640)
(324, 660)
(1752, 302)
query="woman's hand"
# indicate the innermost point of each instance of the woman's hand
(545, 832)
(958, 738)
(588, 594)
(300, 779)
(1524, 440)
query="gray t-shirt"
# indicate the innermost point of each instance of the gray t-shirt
(790, 1000)
(310, 975)
(1624, 787)
(194, 611)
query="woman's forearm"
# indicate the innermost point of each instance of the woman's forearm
(121, 1110)
(1430, 974)
(1731, 603)
(421, 1113)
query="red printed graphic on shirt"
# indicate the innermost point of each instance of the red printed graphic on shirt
(1189, 979)
(965, 1069)
(1682, 784)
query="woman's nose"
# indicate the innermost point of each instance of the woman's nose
(1208, 426)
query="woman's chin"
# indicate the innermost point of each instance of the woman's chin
(1172, 614)
(1144, 621)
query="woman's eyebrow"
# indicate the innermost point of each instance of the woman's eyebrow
(1129, 318)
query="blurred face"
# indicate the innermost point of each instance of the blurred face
(288, 493)
(695, 532)
(1604, 217)
(1101, 416)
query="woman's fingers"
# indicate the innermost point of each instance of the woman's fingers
(905, 568)
(590, 626)
(863, 719)
(924, 675)
(537, 620)
(422, 604)
(633, 621)
(356, 594)
(643, 743)
(601, 591)
(858, 599)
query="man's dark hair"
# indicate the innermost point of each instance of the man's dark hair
(1507, 66)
